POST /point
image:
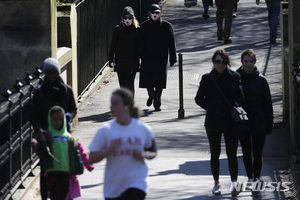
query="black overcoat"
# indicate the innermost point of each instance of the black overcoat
(156, 42)
(47, 96)
(208, 97)
(123, 48)
(258, 102)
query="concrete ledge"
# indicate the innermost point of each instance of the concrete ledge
(93, 87)
(32, 187)
(64, 55)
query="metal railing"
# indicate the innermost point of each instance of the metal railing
(296, 128)
(17, 159)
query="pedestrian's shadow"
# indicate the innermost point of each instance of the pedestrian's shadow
(91, 186)
(201, 167)
(96, 118)
(146, 112)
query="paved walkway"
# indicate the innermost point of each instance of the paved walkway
(181, 170)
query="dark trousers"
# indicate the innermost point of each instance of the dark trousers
(126, 79)
(235, 6)
(43, 181)
(252, 142)
(205, 6)
(231, 142)
(224, 10)
(131, 194)
(155, 93)
(58, 185)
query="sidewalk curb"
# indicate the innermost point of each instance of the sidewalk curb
(94, 86)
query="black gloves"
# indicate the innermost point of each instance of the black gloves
(69, 121)
(172, 63)
(111, 64)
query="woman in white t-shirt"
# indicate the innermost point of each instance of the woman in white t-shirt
(125, 141)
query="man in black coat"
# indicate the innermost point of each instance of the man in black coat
(156, 42)
(52, 92)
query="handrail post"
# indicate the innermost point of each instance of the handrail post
(181, 110)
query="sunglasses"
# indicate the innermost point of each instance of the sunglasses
(224, 62)
(130, 17)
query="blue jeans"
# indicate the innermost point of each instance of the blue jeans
(273, 16)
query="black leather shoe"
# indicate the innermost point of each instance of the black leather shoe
(157, 109)
(227, 41)
(149, 101)
(273, 39)
(206, 16)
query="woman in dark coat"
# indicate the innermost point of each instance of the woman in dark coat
(218, 120)
(156, 42)
(123, 54)
(258, 105)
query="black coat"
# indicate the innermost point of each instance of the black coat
(156, 42)
(48, 96)
(123, 48)
(210, 99)
(258, 102)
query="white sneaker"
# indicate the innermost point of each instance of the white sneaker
(234, 14)
(216, 189)
(236, 188)
(248, 186)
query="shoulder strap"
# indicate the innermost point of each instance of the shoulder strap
(72, 144)
(220, 90)
(76, 164)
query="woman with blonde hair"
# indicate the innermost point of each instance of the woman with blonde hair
(218, 120)
(123, 55)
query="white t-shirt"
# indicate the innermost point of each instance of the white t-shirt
(122, 170)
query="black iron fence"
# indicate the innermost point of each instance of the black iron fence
(17, 159)
(296, 83)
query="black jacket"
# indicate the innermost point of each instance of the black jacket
(258, 102)
(48, 96)
(210, 99)
(156, 43)
(123, 49)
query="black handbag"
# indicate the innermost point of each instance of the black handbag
(237, 113)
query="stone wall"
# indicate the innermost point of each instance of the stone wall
(25, 38)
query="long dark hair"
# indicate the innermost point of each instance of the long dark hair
(127, 98)
(224, 55)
